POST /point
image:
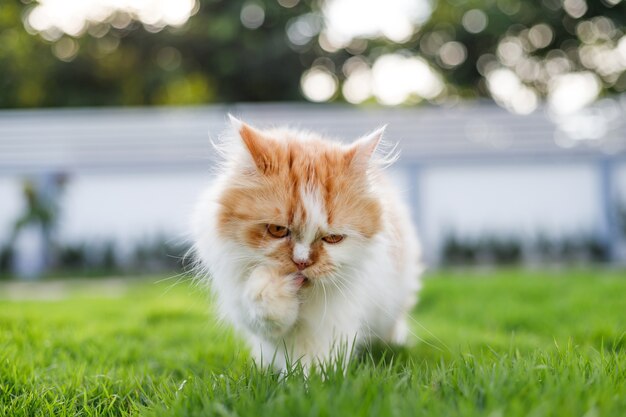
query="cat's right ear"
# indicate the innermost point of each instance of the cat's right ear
(258, 146)
(363, 149)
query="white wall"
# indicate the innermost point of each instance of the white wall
(620, 181)
(129, 207)
(472, 200)
(468, 199)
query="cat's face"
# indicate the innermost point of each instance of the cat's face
(300, 205)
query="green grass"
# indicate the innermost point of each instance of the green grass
(506, 343)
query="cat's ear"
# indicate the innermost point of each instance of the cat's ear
(258, 146)
(362, 150)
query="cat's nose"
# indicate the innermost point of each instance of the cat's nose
(302, 264)
(301, 256)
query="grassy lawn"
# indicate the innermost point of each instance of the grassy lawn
(505, 343)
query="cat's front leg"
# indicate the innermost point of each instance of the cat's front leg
(271, 302)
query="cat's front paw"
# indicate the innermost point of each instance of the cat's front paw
(272, 301)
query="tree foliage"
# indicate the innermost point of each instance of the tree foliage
(211, 58)
(216, 58)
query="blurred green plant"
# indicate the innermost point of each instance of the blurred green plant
(41, 214)
(158, 255)
(154, 255)
(37, 211)
(6, 259)
(103, 258)
(503, 250)
(487, 250)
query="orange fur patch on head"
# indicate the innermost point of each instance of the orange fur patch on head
(260, 148)
(287, 167)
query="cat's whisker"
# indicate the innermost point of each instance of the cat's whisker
(365, 323)
(325, 303)
(159, 281)
(179, 279)
(413, 320)
(408, 316)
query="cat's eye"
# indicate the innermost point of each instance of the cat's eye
(332, 238)
(277, 231)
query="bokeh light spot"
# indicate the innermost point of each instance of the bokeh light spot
(288, 3)
(302, 29)
(510, 92)
(474, 21)
(394, 19)
(569, 93)
(540, 35)
(452, 54)
(252, 15)
(358, 85)
(575, 8)
(74, 17)
(396, 78)
(168, 58)
(65, 49)
(318, 84)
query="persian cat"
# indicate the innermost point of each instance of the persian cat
(308, 247)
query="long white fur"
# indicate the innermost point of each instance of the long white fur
(368, 298)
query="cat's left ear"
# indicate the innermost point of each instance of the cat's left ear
(364, 148)
(257, 145)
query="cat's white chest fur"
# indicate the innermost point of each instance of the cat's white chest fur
(308, 249)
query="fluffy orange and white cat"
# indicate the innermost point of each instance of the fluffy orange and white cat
(307, 245)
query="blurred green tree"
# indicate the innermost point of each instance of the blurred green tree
(258, 50)
(213, 57)
(514, 51)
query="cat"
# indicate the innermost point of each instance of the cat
(309, 248)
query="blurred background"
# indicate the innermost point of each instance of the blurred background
(510, 114)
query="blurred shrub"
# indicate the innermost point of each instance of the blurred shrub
(495, 250)
(621, 218)
(89, 259)
(489, 250)
(72, 257)
(596, 249)
(456, 251)
(157, 255)
(6, 260)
